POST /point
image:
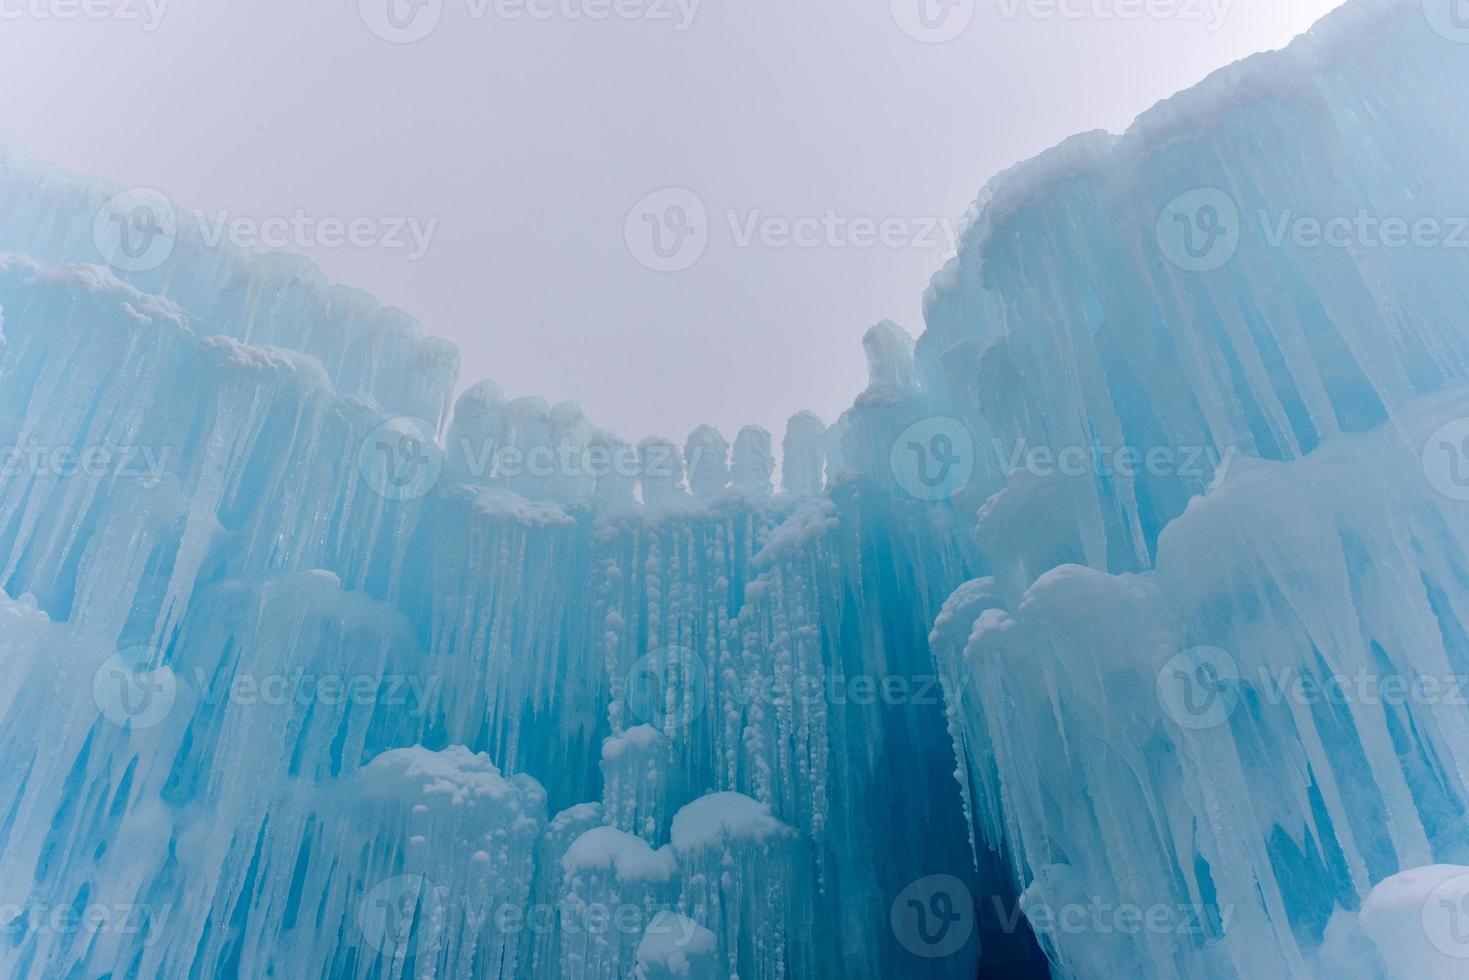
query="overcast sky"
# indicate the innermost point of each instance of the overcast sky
(510, 162)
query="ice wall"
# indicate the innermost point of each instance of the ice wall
(1214, 708)
(309, 674)
(1074, 313)
(269, 300)
(328, 693)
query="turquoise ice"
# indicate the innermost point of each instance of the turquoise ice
(1126, 608)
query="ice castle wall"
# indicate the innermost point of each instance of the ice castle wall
(667, 689)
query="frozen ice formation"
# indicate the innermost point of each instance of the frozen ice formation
(676, 946)
(1124, 616)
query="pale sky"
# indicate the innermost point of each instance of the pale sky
(517, 136)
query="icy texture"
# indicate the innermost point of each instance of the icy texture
(629, 634)
(1338, 566)
(274, 299)
(306, 675)
(1402, 913)
(609, 868)
(1187, 706)
(676, 946)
